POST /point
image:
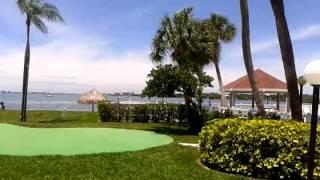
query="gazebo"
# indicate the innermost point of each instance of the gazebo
(267, 84)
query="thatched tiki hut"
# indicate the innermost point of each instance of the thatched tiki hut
(91, 97)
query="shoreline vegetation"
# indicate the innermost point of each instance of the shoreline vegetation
(307, 98)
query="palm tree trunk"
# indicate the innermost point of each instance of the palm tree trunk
(287, 58)
(188, 103)
(247, 55)
(223, 96)
(199, 98)
(23, 116)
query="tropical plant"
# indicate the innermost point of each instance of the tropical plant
(162, 82)
(165, 113)
(301, 81)
(165, 80)
(247, 55)
(179, 38)
(261, 148)
(219, 30)
(287, 57)
(35, 11)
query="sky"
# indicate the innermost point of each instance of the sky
(106, 44)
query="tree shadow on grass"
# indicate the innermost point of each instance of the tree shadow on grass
(59, 120)
(171, 130)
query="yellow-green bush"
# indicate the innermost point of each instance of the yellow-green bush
(257, 148)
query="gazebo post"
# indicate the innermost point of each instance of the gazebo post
(252, 103)
(288, 104)
(230, 99)
(278, 102)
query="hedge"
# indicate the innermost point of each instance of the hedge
(257, 148)
(169, 113)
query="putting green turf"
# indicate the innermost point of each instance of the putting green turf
(23, 141)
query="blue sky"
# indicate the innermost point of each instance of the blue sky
(105, 44)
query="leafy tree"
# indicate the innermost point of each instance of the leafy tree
(35, 11)
(247, 55)
(166, 80)
(219, 30)
(287, 58)
(162, 82)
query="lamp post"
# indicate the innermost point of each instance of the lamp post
(312, 75)
(301, 81)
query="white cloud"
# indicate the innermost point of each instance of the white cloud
(307, 32)
(72, 59)
(296, 35)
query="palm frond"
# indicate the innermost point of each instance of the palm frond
(229, 33)
(162, 41)
(22, 5)
(158, 47)
(39, 24)
(51, 13)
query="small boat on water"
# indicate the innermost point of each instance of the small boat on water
(50, 95)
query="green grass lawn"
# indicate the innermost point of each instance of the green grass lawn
(166, 162)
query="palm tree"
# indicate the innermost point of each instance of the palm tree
(287, 57)
(301, 81)
(35, 11)
(247, 55)
(220, 30)
(179, 38)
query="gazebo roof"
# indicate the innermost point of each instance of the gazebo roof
(265, 83)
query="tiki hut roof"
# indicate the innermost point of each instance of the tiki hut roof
(265, 83)
(91, 97)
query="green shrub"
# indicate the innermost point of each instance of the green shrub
(257, 148)
(105, 111)
(169, 113)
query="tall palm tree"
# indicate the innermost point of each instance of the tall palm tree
(35, 11)
(179, 38)
(287, 57)
(220, 30)
(247, 55)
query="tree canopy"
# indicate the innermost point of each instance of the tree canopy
(37, 10)
(165, 80)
